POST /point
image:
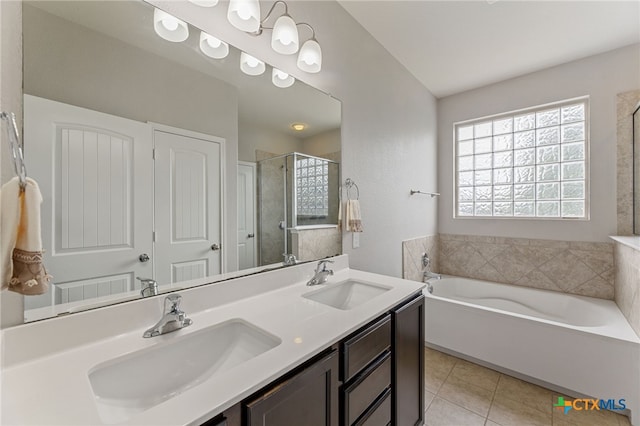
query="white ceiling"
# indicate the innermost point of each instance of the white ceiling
(451, 46)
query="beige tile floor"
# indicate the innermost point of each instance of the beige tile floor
(461, 393)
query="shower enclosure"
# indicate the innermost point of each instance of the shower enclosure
(296, 193)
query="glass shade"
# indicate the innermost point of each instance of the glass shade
(244, 15)
(213, 47)
(169, 27)
(284, 39)
(281, 79)
(205, 3)
(310, 57)
(250, 65)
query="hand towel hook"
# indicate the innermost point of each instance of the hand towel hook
(15, 147)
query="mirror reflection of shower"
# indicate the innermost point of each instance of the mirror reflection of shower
(298, 198)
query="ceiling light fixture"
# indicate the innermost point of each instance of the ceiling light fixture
(212, 46)
(169, 27)
(298, 127)
(281, 79)
(244, 15)
(250, 65)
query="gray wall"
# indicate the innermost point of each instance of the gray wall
(388, 122)
(601, 77)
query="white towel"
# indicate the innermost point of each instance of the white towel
(21, 241)
(353, 216)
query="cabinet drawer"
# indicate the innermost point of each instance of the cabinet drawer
(380, 412)
(359, 350)
(363, 392)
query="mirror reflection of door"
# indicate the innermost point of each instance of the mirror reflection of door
(96, 210)
(247, 247)
(102, 200)
(187, 205)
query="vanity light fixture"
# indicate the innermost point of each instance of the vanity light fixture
(281, 79)
(298, 127)
(212, 46)
(310, 56)
(169, 27)
(284, 38)
(250, 65)
(205, 3)
(244, 15)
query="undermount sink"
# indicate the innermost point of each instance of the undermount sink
(136, 382)
(347, 294)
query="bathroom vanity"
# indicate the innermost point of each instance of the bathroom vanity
(262, 350)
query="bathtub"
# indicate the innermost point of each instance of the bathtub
(577, 345)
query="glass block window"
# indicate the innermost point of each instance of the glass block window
(529, 163)
(312, 179)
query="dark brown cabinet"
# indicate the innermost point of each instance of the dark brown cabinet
(310, 398)
(373, 377)
(408, 363)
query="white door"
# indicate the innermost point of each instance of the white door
(246, 215)
(95, 174)
(187, 204)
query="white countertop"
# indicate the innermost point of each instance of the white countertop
(632, 241)
(45, 365)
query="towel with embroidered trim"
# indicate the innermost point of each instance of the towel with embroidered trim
(21, 240)
(353, 216)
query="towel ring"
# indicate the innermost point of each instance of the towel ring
(349, 183)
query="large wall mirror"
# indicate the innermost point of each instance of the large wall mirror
(139, 144)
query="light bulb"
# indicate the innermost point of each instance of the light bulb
(213, 47)
(244, 15)
(284, 39)
(310, 57)
(169, 27)
(250, 65)
(281, 79)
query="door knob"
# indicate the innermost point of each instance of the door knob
(251, 235)
(215, 247)
(144, 257)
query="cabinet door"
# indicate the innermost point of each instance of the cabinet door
(309, 398)
(408, 363)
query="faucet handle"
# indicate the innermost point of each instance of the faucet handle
(322, 265)
(172, 303)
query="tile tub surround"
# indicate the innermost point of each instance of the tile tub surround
(626, 103)
(462, 393)
(412, 256)
(627, 283)
(576, 267)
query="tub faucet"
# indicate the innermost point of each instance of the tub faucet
(321, 274)
(172, 318)
(426, 270)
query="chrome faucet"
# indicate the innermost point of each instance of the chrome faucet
(172, 318)
(289, 259)
(322, 273)
(426, 270)
(148, 287)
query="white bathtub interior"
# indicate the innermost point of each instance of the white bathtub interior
(577, 345)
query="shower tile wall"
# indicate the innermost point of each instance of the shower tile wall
(311, 244)
(584, 268)
(627, 287)
(412, 256)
